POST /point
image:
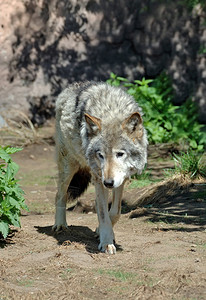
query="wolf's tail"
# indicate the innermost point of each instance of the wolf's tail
(79, 183)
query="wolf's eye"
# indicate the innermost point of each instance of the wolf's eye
(100, 155)
(119, 154)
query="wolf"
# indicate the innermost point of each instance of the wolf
(100, 137)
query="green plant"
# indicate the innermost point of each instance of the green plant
(142, 180)
(11, 195)
(190, 164)
(164, 121)
(118, 274)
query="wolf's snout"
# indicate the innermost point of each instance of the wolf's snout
(109, 183)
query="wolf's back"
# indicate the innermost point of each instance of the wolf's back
(95, 98)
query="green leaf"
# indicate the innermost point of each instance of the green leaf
(193, 144)
(122, 79)
(4, 155)
(138, 82)
(112, 75)
(13, 167)
(116, 82)
(4, 228)
(144, 82)
(200, 147)
(14, 203)
(14, 219)
(12, 150)
(168, 125)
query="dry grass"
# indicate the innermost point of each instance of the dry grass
(159, 192)
(19, 131)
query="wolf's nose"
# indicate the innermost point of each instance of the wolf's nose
(109, 183)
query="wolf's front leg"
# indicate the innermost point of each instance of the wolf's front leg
(105, 230)
(115, 209)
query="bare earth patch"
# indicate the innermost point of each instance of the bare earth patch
(161, 248)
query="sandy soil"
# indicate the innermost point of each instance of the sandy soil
(161, 249)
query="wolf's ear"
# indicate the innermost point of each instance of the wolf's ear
(134, 126)
(93, 124)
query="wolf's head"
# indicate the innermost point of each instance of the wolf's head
(115, 149)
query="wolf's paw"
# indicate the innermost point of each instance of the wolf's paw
(97, 234)
(57, 228)
(108, 248)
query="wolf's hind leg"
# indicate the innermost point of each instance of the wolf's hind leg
(105, 230)
(61, 198)
(115, 209)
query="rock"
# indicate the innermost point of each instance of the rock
(47, 45)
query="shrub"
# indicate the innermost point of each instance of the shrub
(11, 195)
(164, 121)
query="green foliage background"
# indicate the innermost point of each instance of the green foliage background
(164, 121)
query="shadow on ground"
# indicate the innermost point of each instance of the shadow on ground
(75, 234)
(178, 206)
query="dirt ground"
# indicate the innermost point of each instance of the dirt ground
(161, 249)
